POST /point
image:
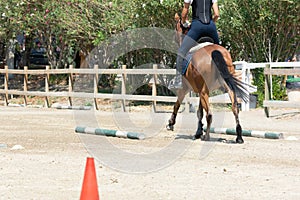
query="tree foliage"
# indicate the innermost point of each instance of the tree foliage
(60, 25)
(254, 31)
(260, 31)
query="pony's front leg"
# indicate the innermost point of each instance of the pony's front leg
(172, 120)
(209, 121)
(205, 104)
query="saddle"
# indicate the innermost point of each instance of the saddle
(202, 42)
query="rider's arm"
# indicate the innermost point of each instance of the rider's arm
(184, 13)
(216, 11)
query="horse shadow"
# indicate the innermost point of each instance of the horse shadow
(212, 139)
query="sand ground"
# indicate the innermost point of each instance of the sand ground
(41, 156)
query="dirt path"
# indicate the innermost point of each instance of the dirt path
(41, 157)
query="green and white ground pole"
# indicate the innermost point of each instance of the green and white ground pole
(111, 133)
(250, 133)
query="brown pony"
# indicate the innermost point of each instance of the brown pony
(210, 68)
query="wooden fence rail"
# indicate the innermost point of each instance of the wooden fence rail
(71, 94)
(278, 68)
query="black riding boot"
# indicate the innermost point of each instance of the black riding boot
(177, 82)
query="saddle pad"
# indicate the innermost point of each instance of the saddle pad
(199, 46)
(186, 62)
(189, 56)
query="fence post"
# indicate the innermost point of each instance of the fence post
(96, 79)
(6, 85)
(268, 90)
(47, 86)
(246, 79)
(25, 84)
(154, 90)
(70, 84)
(123, 89)
(271, 82)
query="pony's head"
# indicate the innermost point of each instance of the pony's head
(181, 31)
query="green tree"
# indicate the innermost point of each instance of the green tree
(126, 17)
(62, 26)
(261, 31)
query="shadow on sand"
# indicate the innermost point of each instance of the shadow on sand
(212, 139)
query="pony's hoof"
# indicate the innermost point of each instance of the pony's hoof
(205, 138)
(170, 127)
(239, 140)
(197, 136)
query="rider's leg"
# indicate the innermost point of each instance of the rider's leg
(188, 42)
(211, 30)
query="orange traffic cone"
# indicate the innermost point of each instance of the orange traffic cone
(89, 189)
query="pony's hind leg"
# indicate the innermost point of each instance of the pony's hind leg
(238, 128)
(232, 86)
(172, 120)
(235, 111)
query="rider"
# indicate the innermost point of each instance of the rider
(203, 24)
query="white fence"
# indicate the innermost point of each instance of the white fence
(243, 68)
(95, 94)
(270, 69)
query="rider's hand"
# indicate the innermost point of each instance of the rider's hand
(186, 24)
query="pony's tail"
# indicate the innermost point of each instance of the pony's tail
(237, 86)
